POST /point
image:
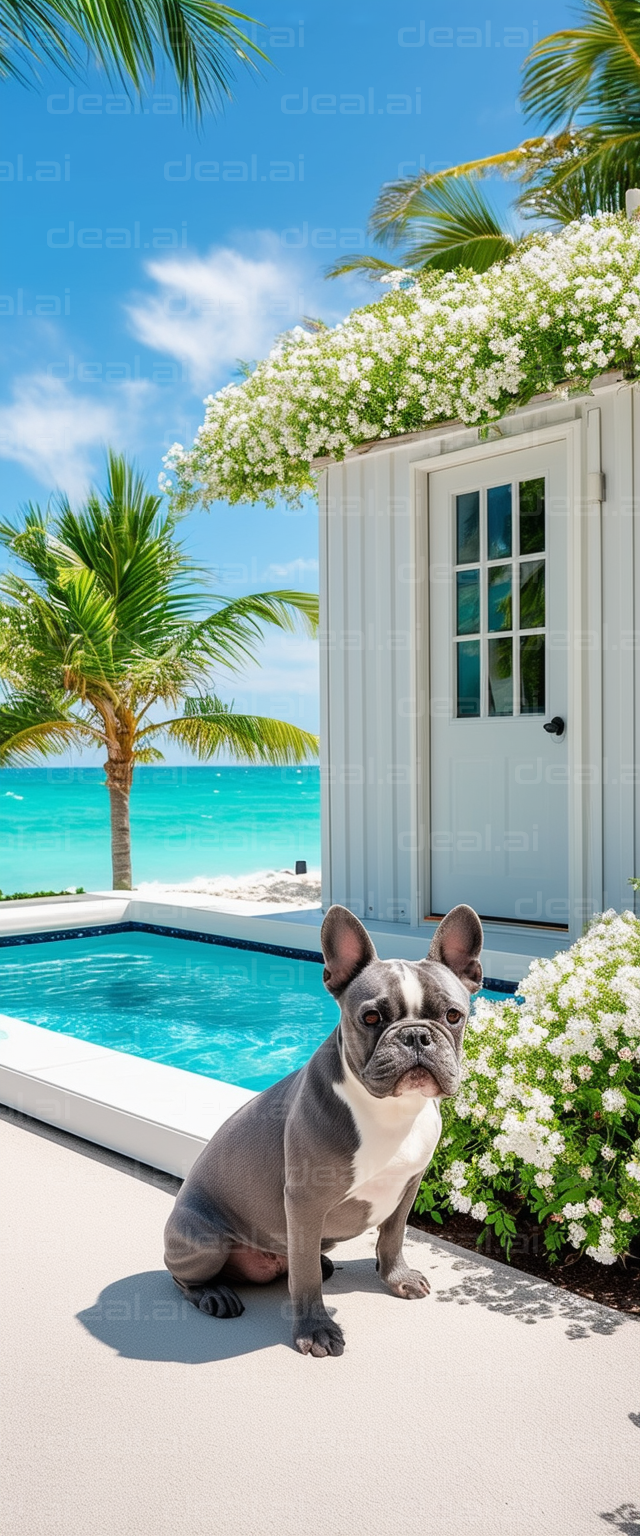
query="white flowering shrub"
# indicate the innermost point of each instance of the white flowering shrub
(546, 1121)
(441, 346)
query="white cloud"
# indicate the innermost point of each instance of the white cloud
(211, 310)
(297, 568)
(58, 435)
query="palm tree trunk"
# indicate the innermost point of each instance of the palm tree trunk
(119, 777)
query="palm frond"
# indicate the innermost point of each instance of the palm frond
(201, 39)
(583, 172)
(148, 755)
(395, 206)
(449, 223)
(209, 727)
(284, 609)
(32, 727)
(590, 69)
(367, 266)
(454, 225)
(230, 636)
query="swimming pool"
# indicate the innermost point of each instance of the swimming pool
(236, 1014)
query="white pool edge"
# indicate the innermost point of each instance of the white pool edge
(157, 1114)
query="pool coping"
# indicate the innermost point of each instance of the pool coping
(153, 1113)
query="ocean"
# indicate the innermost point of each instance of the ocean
(186, 822)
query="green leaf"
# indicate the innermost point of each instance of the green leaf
(445, 223)
(200, 39)
(591, 69)
(209, 727)
(32, 727)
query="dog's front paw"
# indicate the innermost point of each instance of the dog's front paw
(318, 1336)
(410, 1285)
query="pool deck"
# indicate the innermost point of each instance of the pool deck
(499, 1405)
(144, 1109)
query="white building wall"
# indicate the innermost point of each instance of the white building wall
(374, 676)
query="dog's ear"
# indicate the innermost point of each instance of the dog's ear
(346, 947)
(457, 943)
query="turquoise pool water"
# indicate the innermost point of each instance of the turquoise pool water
(236, 1014)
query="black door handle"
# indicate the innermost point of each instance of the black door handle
(555, 727)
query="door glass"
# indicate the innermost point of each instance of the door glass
(532, 594)
(532, 516)
(499, 597)
(501, 590)
(468, 601)
(468, 528)
(501, 676)
(532, 675)
(468, 678)
(498, 522)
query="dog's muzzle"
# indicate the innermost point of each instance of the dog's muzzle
(418, 1055)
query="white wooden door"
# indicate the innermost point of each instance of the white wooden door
(498, 674)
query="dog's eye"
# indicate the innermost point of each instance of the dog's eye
(371, 1016)
(452, 1016)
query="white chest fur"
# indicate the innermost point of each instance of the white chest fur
(398, 1138)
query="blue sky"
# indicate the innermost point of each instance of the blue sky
(141, 257)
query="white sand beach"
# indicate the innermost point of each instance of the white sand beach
(267, 890)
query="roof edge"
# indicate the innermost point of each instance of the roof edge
(609, 380)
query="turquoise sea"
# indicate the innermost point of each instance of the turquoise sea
(185, 821)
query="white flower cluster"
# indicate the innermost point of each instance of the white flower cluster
(439, 346)
(538, 1119)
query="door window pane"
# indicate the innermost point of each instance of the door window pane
(468, 527)
(532, 516)
(501, 677)
(532, 594)
(499, 597)
(532, 675)
(468, 678)
(498, 521)
(468, 602)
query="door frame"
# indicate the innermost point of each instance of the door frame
(584, 739)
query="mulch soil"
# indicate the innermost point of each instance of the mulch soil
(612, 1285)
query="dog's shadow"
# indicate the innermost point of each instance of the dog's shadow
(144, 1316)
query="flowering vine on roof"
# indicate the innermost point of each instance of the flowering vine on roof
(440, 346)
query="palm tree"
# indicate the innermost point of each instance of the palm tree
(201, 39)
(111, 623)
(584, 82)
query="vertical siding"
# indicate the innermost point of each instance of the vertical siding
(367, 714)
(336, 579)
(326, 839)
(619, 724)
(374, 751)
(353, 646)
(403, 766)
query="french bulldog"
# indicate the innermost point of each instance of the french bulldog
(338, 1146)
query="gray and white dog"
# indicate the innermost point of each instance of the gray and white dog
(341, 1144)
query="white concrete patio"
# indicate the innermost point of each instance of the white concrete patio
(498, 1406)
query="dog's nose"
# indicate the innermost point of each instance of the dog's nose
(417, 1036)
